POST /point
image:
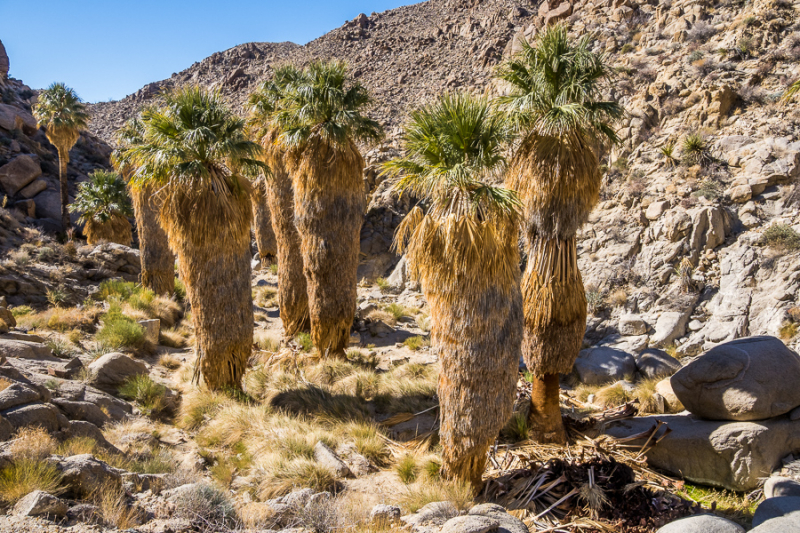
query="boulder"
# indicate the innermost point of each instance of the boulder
(664, 388)
(40, 503)
(3, 62)
(17, 394)
(656, 209)
(787, 507)
(81, 428)
(782, 524)
(110, 371)
(669, 326)
(12, 117)
(36, 414)
(654, 363)
(84, 475)
(26, 350)
(732, 455)
(5, 314)
(152, 329)
(6, 429)
(328, 458)
(82, 411)
(597, 366)
(397, 279)
(746, 379)
(506, 522)
(632, 325)
(739, 194)
(470, 524)
(383, 514)
(702, 524)
(33, 188)
(18, 173)
(433, 514)
(777, 486)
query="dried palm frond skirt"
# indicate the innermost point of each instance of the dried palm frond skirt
(117, 229)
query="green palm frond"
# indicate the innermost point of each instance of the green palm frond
(452, 146)
(194, 138)
(790, 93)
(60, 111)
(102, 197)
(555, 87)
(263, 104)
(323, 100)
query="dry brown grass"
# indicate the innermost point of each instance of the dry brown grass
(381, 315)
(169, 361)
(33, 443)
(618, 298)
(115, 509)
(26, 475)
(62, 319)
(612, 396)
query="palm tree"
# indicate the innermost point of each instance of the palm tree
(292, 291)
(105, 206)
(554, 102)
(464, 250)
(158, 261)
(320, 120)
(62, 115)
(262, 223)
(196, 153)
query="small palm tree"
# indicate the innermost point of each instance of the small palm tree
(105, 206)
(554, 101)
(464, 250)
(158, 261)
(195, 152)
(320, 118)
(63, 116)
(292, 292)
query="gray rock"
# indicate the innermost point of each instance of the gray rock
(20, 171)
(12, 117)
(782, 506)
(152, 329)
(17, 394)
(782, 524)
(507, 523)
(299, 498)
(383, 514)
(732, 455)
(113, 369)
(397, 279)
(40, 503)
(669, 326)
(754, 378)
(84, 512)
(143, 482)
(702, 524)
(777, 486)
(470, 524)
(432, 514)
(632, 325)
(37, 414)
(328, 458)
(83, 475)
(656, 209)
(6, 429)
(26, 350)
(597, 366)
(82, 411)
(654, 363)
(81, 428)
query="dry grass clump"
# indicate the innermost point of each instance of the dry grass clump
(266, 342)
(618, 298)
(170, 362)
(33, 443)
(115, 509)
(428, 490)
(207, 507)
(60, 319)
(788, 330)
(383, 316)
(417, 343)
(645, 392)
(278, 476)
(265, 297)
(781, 237)
(26, 475)
(149, 396)
(612, 395)
(139, 302)
(177, 337)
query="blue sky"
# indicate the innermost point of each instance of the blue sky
(107, 50)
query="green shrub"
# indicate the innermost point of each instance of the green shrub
(115, 287)
(416, 343)
(382, 284)
(781, 236)
(148, 395)
(305, 342)
(21, 310)
(407, 469)
(119, 331)
(696, 150)
(708, 189)
(627, 48)
(180, 290)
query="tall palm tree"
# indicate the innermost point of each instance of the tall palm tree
(196, 153)
(63, 116)
(464, 250)
(555, 103)
(292, 289)
(105, 206)
(158, 261)
(321, 119)
(262, 223)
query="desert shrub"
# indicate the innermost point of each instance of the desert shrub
(60, 348)
(696, 150)
(267, 343)
(612, 396)
(427, 490)
(21, 310)
(32, 442)
(398, 311)
(407, 468)
(281, 475)
(708, 188)
(594, 299)
(149, 396)
(382, 284)
(416, 343)
(782, 237)
(57, 296)
(516, 428)
(645, 392)
(304, 341)
(627, 48)
(788, 330)
(119, 331)
(20, 258)
(618, 298)
(206, 507)
(701, 32)
(684, 271)
(45, 254)
(27, 475)
(265, 296)
(114, 509)
(179, 290)
(668, 152)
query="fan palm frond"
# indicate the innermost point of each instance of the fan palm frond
(102, 197)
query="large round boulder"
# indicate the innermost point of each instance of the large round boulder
(754, 378)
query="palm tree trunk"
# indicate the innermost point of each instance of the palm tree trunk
(63, 161)
(476, 315)
(329, 209)
(292, 290)
(555, 322)
(158, 261)
(213, 247)
(262, 226)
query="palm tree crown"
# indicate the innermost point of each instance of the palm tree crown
(102, 197)
(323, 101)
(264, 103)
(555, 87)
(62, 114)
